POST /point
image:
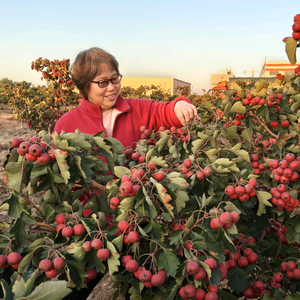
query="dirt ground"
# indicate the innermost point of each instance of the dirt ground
(10, 127)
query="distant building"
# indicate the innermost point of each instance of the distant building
(272, 68)
(217, 78)
(168, 84)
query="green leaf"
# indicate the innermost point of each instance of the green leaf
(75, 273)
(15, 207)
(113, 260)
(168, 261)
(8, 294)
(101, 143)
(61, 159)
(223, 295)
(50, 290)
(162, 141)
(182, 198)
(159, 161)
(230, 132)
(237, 279)
(263, 198)
(290, 49)
(120, 171)
(238, 108)
(18, 288)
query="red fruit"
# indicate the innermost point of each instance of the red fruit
(145, 275)
(151, 165)
(51, 155)
(229, 190)
(285, 196)
(103, 254)
(295, 165)
(247, 251)
(3, 261)
(30, 157)
(252, 258)
(79, 229)
(92, 274)
(45, 265)
(35, 150)
(274, 124)
(283, 164)
(253, 182)
(135, 156)
(147, 132)
(211, 296)
(287, 172)
(278, 277)
(60, 218)
(258, 286)
(281, 188)
(215, 223)
(296, 274)
(132, 266)
(291, 266)
(239, 190)
(226, 218)
(148, 284)
(211, 263)
(125, 259)
(159, 176)
(235, 216)
(133, 236)
(296, 26)
(59, 227)
(189, 245)
(14, 142)
(207, 171)
(192, 267)
(201, 274)
(297, 18)
(187, 162)
(163, 273)
(34, 140)
(254, 157)
(157, 280)
(249, 293)
(43, 159)
(58, 263)
(13, 258)
(87, 246)
(283, 266)
(142, 129)
(96, 244)
(51, 273)
(24, 146)
(243, 262)
(126, 187)
(67, 231)
(249, 188)
(114, 202)
(199, 175)
(187, 292)
(123, 225)
(212, 288)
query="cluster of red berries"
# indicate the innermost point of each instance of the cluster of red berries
(13, 259)
(297, 71)
(258, 167)
(186, 169)
(226, 220)
(141, 273)
(259, 289)
(151, 136)
(33, 150)
(280, 231)
(238, 118)
(282, 198)
(296, 27)
(243, 193)
(130, 236)
(251, 100)
(96, 244)
(190, 292)
(291, 269)
(268, 144)
(51, 268)
(66, 229)
(285, 170)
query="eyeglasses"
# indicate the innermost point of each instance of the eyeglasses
(104, 83)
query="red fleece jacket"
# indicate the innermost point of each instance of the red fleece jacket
(133, 113)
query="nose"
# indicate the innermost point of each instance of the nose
(110, 86)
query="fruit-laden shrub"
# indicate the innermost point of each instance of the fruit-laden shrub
(185, 209)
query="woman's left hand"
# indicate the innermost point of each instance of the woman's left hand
(185, 112)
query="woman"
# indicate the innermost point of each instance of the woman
(96, 74)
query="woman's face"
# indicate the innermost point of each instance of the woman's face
(105, 97)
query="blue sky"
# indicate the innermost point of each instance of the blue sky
(188, 40)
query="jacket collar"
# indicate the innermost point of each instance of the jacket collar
(96, 111)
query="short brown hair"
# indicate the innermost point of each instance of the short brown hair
(89, 64)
